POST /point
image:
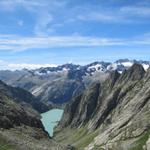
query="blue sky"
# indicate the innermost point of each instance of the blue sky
(36, 33)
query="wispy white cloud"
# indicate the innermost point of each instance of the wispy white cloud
(138, 11)
(14, 66)
(18, 66)
(17, 43)
(42, 25)
(10, 5)
(124, 14)
(103, 17)
(24, 43)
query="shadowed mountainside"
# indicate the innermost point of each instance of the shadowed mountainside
(20, 124)
(111, 115)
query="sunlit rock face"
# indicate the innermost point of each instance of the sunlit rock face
(118, 108)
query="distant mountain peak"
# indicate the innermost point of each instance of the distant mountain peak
(137, 69)
(123, 60)
(135, 72)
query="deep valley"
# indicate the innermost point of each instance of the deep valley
(103, 110)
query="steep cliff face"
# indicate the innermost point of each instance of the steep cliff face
(13, 114)
(118, 110)
(23, 97)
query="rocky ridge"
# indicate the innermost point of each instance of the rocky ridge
(111, 115)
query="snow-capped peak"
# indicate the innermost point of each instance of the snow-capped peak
(90, 69)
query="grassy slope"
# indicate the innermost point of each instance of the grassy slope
(5, 145)
(138, 145)
(79, 138)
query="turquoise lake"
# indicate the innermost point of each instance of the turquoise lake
(50, 119)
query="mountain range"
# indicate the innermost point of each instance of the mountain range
(59, 84)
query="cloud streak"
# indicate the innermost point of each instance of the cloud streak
(139, 11)
(25, 43)
(124, 14)
(17, 43)
(18, 66)
(14, 66)
(10, 5)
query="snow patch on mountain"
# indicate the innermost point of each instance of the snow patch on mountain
(146, 66)
(96, 67)
(91, 69)
(127, 64)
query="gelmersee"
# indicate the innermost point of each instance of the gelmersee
(50, 119)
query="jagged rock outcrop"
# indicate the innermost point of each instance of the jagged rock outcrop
(79, 112)
(118, 110)
(136, 72)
